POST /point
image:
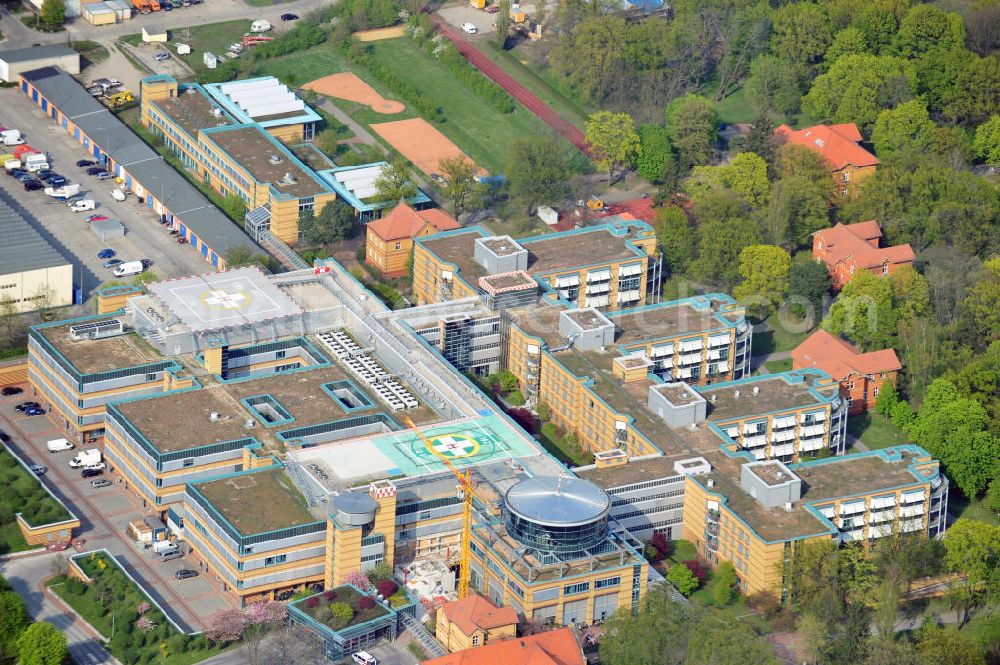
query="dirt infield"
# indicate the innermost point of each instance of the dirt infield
(419, 142)
(347, 85)
(380, 33)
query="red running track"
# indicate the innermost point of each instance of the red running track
(513, 88)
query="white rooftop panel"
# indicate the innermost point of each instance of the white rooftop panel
(276, 107)
(356, 175)
(365, 192)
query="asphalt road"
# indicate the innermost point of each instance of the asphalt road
(145, 238)
(26, 574)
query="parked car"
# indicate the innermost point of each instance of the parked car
(38, 469)
(469, 28)
(33, 411)
(161, 56)
(289, 17)
(4, 436)
(10, 391)
(14, 173)
(24, 406)
(363, 658)
(100, 482)
(185, 573)
(56, 180)
(167, 7)
(104, 176)
(27, 177)
(107, 253)
(33, 186)
(112, 263)
(84, 162)
(91, 473)
(171, 555)
(95, 218)
(94, 170)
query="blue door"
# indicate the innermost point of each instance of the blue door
(55, 112)
(204, 250)
(128, 181)
(24, 87)
(97, 151)
(65, 122)
(34, 95)
(215, 259)
(45, 104)
(149, 200)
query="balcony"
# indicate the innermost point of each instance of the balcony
(712, 530)
(712, 517)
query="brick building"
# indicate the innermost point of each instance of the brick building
(847, 248)
(389, 241)
(850, 164)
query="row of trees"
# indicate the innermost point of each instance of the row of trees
(22, 641)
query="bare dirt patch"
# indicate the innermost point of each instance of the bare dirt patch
(347, 85)
(419, 142)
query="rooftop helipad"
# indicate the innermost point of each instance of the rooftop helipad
(224, 300)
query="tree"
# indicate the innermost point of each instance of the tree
(802, 34)
(463, 187)
(260, 617)
(341, 613)
(764, 269)
(797, 209)
(992, 499)
(982, 302)
(798, 160)
(613, 140)
(393, 183)
(503, 23)
(656, 155)
(745, 175)
(878, 26)
(858, 87)
(773, 85)
(725, 581)
(926, 27)
(656, 635)
(13, 621)
(537, 172)
(720, 242)
(716, 640)
(906, 127)
(42, 644)
(987, 143)
(911, 295)
(937, 644)
(676, 238)
(327, 141)
(863, 312)
(246, 255)
(53, 13)
(234, 207)
(682, 578)
(226, 626)
(972, 548)
(809, 285)
(849, 41)
(693, 125)
(975, 95)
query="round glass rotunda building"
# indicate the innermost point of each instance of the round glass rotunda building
(557, 514)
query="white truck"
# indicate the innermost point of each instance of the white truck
(260, 25)
(11, 137)
(64, 192)
(129, 268)
(56, 445)
(83, 205)
(86, 458)
(12, 164)
(118, 194)
(36, 161)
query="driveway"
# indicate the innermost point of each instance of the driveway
(26, 575)
(145, 238)
(104, 516)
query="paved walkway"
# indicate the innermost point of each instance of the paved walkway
(27, 575)
(512, 86)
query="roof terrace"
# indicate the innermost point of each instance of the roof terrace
(100, 355)
(258, 502)
(267, 161)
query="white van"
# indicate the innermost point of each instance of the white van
(129, 268)
(56, 445)
(82, 205)
(363, 658)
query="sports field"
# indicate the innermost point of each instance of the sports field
(347, 85)
(419, 142)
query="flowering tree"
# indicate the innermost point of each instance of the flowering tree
(142, 608)
(226, 626)
(366, 602)
(259, 618)
(144, 624)
(386, 588)
(359, 579)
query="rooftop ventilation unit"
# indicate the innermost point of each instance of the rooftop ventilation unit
(217, 112)
(274, 159)
(289, 179)
(96, 330)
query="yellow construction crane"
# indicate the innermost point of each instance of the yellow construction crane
(465, 490)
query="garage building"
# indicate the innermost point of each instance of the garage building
(32, 272)
(155, 183)
(15, 61)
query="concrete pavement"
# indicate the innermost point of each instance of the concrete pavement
(27, 575)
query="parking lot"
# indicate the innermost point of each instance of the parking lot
(104, 515)
(145, 238)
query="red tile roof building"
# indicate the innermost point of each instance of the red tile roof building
(554, 647)
(847, 248)
(850, 164)
(389, 240)
(861, 375)
(473, 622)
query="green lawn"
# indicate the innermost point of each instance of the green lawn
(776, 366)
(774, 337)
(680, 551)
(119, 605)
(517, 225)
(214, 37)
(23, 494)
(736, 108)
(960, 506)
(525, 73)
(567, 454)
(473, 124)
(875, 431)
